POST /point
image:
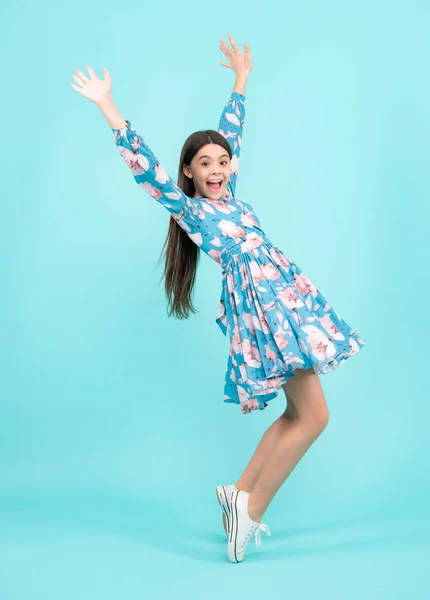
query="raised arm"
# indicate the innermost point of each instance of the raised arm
(233, 115)
(147, 171)
(231, 126)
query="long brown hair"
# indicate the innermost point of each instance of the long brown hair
(182, 254)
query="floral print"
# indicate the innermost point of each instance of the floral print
(276, 319)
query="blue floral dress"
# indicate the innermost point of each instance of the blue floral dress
(276, 319)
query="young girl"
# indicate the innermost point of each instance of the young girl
(282, 331)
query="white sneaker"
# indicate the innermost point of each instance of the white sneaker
(223, 493)
(242, 527)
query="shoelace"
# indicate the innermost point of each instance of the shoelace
(256, 531)
(260, 527)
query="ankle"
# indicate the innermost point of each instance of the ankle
(242, 487)
(254, 513)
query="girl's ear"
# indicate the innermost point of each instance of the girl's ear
(187, 171)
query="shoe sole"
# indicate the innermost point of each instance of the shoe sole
(232, 538)
(221, 495)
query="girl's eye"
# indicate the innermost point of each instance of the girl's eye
(204, 164)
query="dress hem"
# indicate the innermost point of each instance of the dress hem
(319, 367)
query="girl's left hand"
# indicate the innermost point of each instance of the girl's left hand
(239, 62)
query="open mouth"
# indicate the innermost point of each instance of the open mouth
(215, 184)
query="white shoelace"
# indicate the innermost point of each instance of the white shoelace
(256, 532)
(260, 527)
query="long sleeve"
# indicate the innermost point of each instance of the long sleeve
(231, 126)
(147, 171)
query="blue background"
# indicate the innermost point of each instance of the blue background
(113, 430)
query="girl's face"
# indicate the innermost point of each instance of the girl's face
(210, 171)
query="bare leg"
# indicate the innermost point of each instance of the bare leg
(312, 417)
(268, 442)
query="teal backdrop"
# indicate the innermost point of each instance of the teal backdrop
(113, 430)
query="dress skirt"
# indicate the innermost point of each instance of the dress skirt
(277, 322)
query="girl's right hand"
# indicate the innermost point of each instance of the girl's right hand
(95, 89)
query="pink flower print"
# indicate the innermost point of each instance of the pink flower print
(234, 164)
(263, 385)
(151, 190)
(244, 276)
(172, 195)
(230, 282)
(321, 347)
(280, 258)
(305, 285)
(254, 404)
(326, 307)
(229, 229)
(233, 358)
(269, 353)
(251, 354)
(248, 220)
(137, 162)
(290, 298)
(248, 406)
(331, 328)
(216, 255)
(161, 175)
(252, 240)
(235, 343)
(270, 271)
(260, 322)
(293, 359)
(256, 272)
(354, 346)
(300, 285)
(243, 396)
(196, 238)
(280, 340)
(272, 382)
(223, 207)
(207, 208)
(247, 319)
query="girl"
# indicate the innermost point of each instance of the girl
(282, 331)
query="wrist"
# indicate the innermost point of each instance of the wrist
(105, 102)
(240, 83)
(242, 76)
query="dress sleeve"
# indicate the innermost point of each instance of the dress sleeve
(230, 126)
(147, 171)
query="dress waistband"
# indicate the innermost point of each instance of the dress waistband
(253, 240)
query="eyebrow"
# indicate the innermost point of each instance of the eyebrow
(206, 156)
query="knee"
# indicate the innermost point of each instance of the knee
(321, 416)
(316, 417)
